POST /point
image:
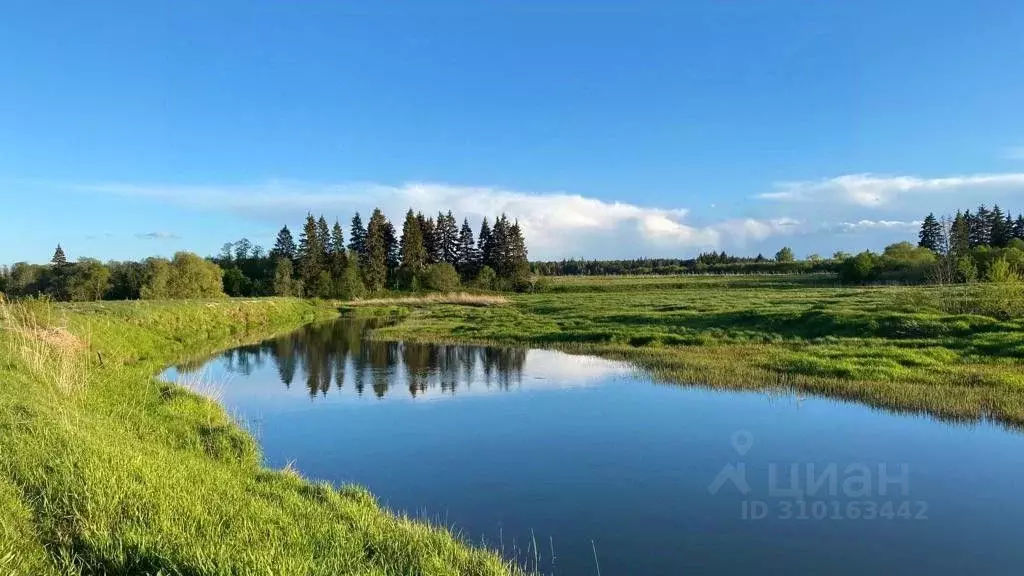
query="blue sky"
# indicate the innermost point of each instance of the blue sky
(610, 129)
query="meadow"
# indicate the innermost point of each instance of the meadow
(948, 351)
(107, 470)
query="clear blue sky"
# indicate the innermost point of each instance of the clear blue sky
(609, 128)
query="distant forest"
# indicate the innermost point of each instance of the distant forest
(964, 247)
(437, 254)
(428, 254)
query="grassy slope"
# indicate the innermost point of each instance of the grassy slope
(106, 470)
(889, 347)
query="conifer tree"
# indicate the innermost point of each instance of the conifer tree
(376, 270)
(391, 249)
(338, 254)
(468, 263)
(484, 245)
(323, 236)
(500, 248)
(931, 234)
(430, 243)
(60, 274)
(310, 254)
(960, 235)
(1018, 227)
(59, 259)
(447, 238)
(980, 226)
(412, 252)
(999, 231)
(357, 239)
(519, 263)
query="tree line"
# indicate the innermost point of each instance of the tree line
(783, 262)
(428, 254)
(987, 244)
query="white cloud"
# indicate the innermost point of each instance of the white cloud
(158, 235)
(866, 225)
(874, 191)
(556, 225)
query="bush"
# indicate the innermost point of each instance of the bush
(858, 269)
(186, 276)
(441, 277)
(486, 279)
(966, 270)
(784, 255)
(1000, 271)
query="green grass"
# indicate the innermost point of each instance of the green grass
(890, 347)
(106, 470)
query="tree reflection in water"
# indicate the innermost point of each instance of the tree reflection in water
(337, 353)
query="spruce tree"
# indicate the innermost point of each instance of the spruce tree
(999, 231)
(430, 243)
(468, 263)
(357, 239)
(310, 255)
(980, 227)
(391, 248)
(500, 248)
(284, 246)
(960, 235)
(519, 263)
(931, 234)
(412, 251)
(484, 245)
(59, 260)
(450, 246)
(323, 236)
(61, 271)
(1018, 227)
(338, 255)
(376, 270)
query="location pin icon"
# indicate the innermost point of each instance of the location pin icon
(742, 440)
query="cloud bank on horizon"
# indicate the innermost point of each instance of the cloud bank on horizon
(873, 208)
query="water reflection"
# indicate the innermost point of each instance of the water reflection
(601, 464)
(337, 355)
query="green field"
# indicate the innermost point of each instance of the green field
(913, 348)
(105, 470)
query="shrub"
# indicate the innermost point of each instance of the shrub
(441, 277)
(186, 276)
(485, 279)
(1000, 271)
(859, 269)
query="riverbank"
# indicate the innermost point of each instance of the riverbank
(890, 347)
(107, 470)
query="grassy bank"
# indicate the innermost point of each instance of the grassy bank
(891, 347)
(107, 471)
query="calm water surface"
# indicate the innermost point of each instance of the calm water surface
(581, 454)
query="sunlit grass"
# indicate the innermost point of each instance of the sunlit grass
(105, 470)
(892, 347)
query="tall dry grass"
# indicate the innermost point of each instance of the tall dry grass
(458, 298)
(48, 350)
